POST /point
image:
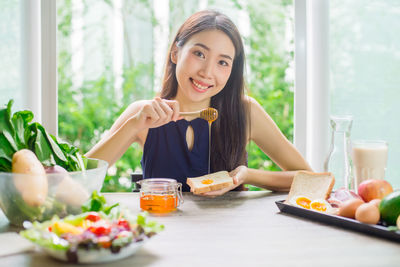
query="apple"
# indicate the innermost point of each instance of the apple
(374, 189)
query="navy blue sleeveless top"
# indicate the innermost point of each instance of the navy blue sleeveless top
(166, 154)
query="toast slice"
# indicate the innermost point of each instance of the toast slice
(209, 182)
(311, 185)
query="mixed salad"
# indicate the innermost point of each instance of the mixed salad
(99, 227)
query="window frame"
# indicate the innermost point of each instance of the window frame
(49, 92)
(39, 73)
(311, 101)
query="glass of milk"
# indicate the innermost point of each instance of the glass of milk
(369, 159)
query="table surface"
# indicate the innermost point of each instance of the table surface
(239, 229)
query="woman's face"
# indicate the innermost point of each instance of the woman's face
(203, 66)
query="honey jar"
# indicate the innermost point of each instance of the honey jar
(160, 195)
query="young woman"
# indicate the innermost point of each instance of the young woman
(204, 68)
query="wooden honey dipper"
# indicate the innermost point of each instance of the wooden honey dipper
(208, 114)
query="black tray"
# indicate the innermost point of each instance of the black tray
(376, 230)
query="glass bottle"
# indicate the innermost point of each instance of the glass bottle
(339, 160)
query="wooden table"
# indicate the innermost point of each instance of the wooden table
(240, 229)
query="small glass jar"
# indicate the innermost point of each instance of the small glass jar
(160, 195)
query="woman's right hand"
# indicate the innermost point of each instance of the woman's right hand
(131, 127)
(156, 112)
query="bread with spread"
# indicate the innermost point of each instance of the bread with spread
(209, 182)
(311, 185)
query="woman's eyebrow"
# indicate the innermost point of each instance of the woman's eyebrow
(208, 49)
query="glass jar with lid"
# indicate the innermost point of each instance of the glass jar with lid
(160, 195)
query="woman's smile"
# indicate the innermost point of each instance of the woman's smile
(200, 86)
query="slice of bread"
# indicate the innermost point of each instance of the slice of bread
(311, 185)
(209, 182)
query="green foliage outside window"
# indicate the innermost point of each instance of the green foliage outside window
(85, 113)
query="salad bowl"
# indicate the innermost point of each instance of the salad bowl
(101, 233)
(64, 193)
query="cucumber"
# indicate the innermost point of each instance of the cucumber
(390, 208)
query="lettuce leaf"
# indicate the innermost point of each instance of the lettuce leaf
(17, 131)
(98, 203)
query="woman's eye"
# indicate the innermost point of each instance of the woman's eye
(223, 63)
(199, 54)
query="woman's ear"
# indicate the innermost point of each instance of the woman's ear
(174, 53)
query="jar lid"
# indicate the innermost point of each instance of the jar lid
(158, 184)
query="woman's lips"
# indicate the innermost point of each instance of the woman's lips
(200, 86)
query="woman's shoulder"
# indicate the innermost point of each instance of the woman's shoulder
(258, 114)
(252, 105)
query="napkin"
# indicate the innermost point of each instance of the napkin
(12, 243)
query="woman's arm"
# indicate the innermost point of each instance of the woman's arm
(132, 126)
(268, 137)
(266, 134)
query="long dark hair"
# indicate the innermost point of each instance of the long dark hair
(228, 145)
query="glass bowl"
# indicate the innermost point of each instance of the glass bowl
(59, 194)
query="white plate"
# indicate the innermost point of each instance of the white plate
(97, 256)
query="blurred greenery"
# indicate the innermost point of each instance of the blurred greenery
(87, 112)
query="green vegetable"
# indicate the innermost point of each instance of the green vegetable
(18, 132)
(390, 207)
(97, 203)
(150, 227)
(38, 234)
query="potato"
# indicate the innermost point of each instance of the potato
(32, 186)
(71, 192)
(55, 179)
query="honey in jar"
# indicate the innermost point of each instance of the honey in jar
(160, 195)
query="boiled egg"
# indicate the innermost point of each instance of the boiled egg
(320, 205)
(301, 201)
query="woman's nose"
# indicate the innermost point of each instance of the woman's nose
(207, 69)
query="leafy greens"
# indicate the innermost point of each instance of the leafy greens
(17, 131)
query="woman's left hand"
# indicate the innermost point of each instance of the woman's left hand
(238, 175)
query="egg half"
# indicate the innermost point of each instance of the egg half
(301, 201)
(320, 205)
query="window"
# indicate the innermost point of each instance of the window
(19, 74)
(27, 74)
(365, 71)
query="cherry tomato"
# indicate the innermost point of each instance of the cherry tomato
(100, 230)
(50, 229)
(124, 223)
(93, 216)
